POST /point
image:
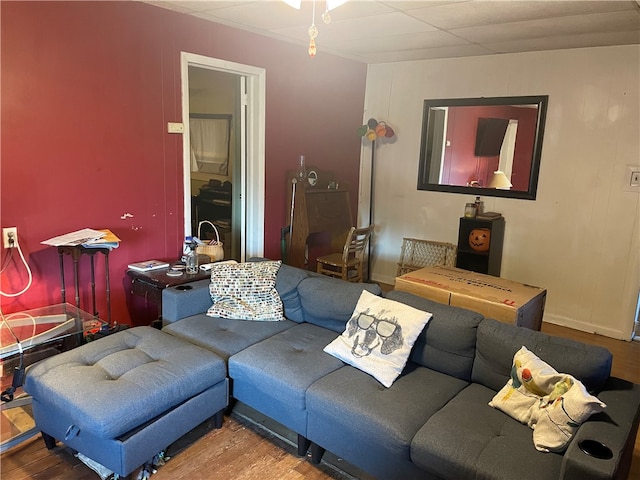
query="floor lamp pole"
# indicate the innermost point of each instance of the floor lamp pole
(373, 149)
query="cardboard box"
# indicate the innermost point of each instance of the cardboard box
(494, 297)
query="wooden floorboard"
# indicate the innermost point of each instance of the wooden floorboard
(244, 450)
(240, 450)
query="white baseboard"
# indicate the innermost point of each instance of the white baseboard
(548, 317)
(584, 327)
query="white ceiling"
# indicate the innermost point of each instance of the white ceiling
(396, 30)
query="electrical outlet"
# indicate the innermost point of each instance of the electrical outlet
(632, 179)
(10, 237)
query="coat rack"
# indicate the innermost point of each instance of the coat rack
(372, 131)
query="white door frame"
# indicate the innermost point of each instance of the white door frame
(251, 151)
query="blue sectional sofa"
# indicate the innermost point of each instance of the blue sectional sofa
(434, 421)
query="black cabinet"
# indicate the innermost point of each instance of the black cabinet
(480, 245)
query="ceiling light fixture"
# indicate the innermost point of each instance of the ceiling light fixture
(326, 18)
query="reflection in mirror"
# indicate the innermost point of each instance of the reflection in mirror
(482, 146)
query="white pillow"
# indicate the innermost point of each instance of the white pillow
(553, 404)
(379, 336)
(245, 291)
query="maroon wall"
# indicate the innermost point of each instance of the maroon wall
(87, 91)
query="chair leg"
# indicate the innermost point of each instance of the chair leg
(345, 272)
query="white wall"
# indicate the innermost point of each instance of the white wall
(580, 238)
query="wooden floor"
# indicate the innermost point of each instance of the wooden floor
(245, 450)
(240, 450)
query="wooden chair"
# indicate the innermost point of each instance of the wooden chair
(348, 264)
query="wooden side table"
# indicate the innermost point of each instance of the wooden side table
(149, 285)
(75, 252)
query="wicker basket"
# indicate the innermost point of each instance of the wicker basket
(417, 254)
(214, 249)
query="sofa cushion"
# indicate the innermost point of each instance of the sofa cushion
(224, 336)
(371, 426)
(272, 376)
(448, 342)
(467, 439)
(379, 336)
(498, 342)
(553, 404)
(287, 282)
(329, 302)
(245, 291)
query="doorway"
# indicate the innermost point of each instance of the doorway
(240, 91)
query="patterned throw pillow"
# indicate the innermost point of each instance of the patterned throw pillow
(245, 291)
(553, 404)
(379, 337)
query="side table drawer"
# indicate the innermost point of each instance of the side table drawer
(150, 292)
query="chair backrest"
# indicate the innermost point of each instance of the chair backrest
(356, 242)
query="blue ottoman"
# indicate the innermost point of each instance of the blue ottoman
(124, 398)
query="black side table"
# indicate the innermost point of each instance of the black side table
(149, 285)
(487, 258)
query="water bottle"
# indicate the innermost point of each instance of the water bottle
(479, 206)
(192, 261)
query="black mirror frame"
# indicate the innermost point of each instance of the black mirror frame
(424, 164)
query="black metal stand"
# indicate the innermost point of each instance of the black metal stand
(371, 201)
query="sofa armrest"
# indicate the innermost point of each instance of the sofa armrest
(616, 428)
(185, 300)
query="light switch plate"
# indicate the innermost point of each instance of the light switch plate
(173, 127)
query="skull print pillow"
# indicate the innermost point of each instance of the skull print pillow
(379, 336)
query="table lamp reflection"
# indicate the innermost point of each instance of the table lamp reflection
(499, 181)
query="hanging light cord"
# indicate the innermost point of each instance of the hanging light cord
(313, 13)
(313, 32)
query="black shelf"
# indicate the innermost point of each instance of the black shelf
(488, 261)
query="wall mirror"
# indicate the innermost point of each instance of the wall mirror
(487, 146)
